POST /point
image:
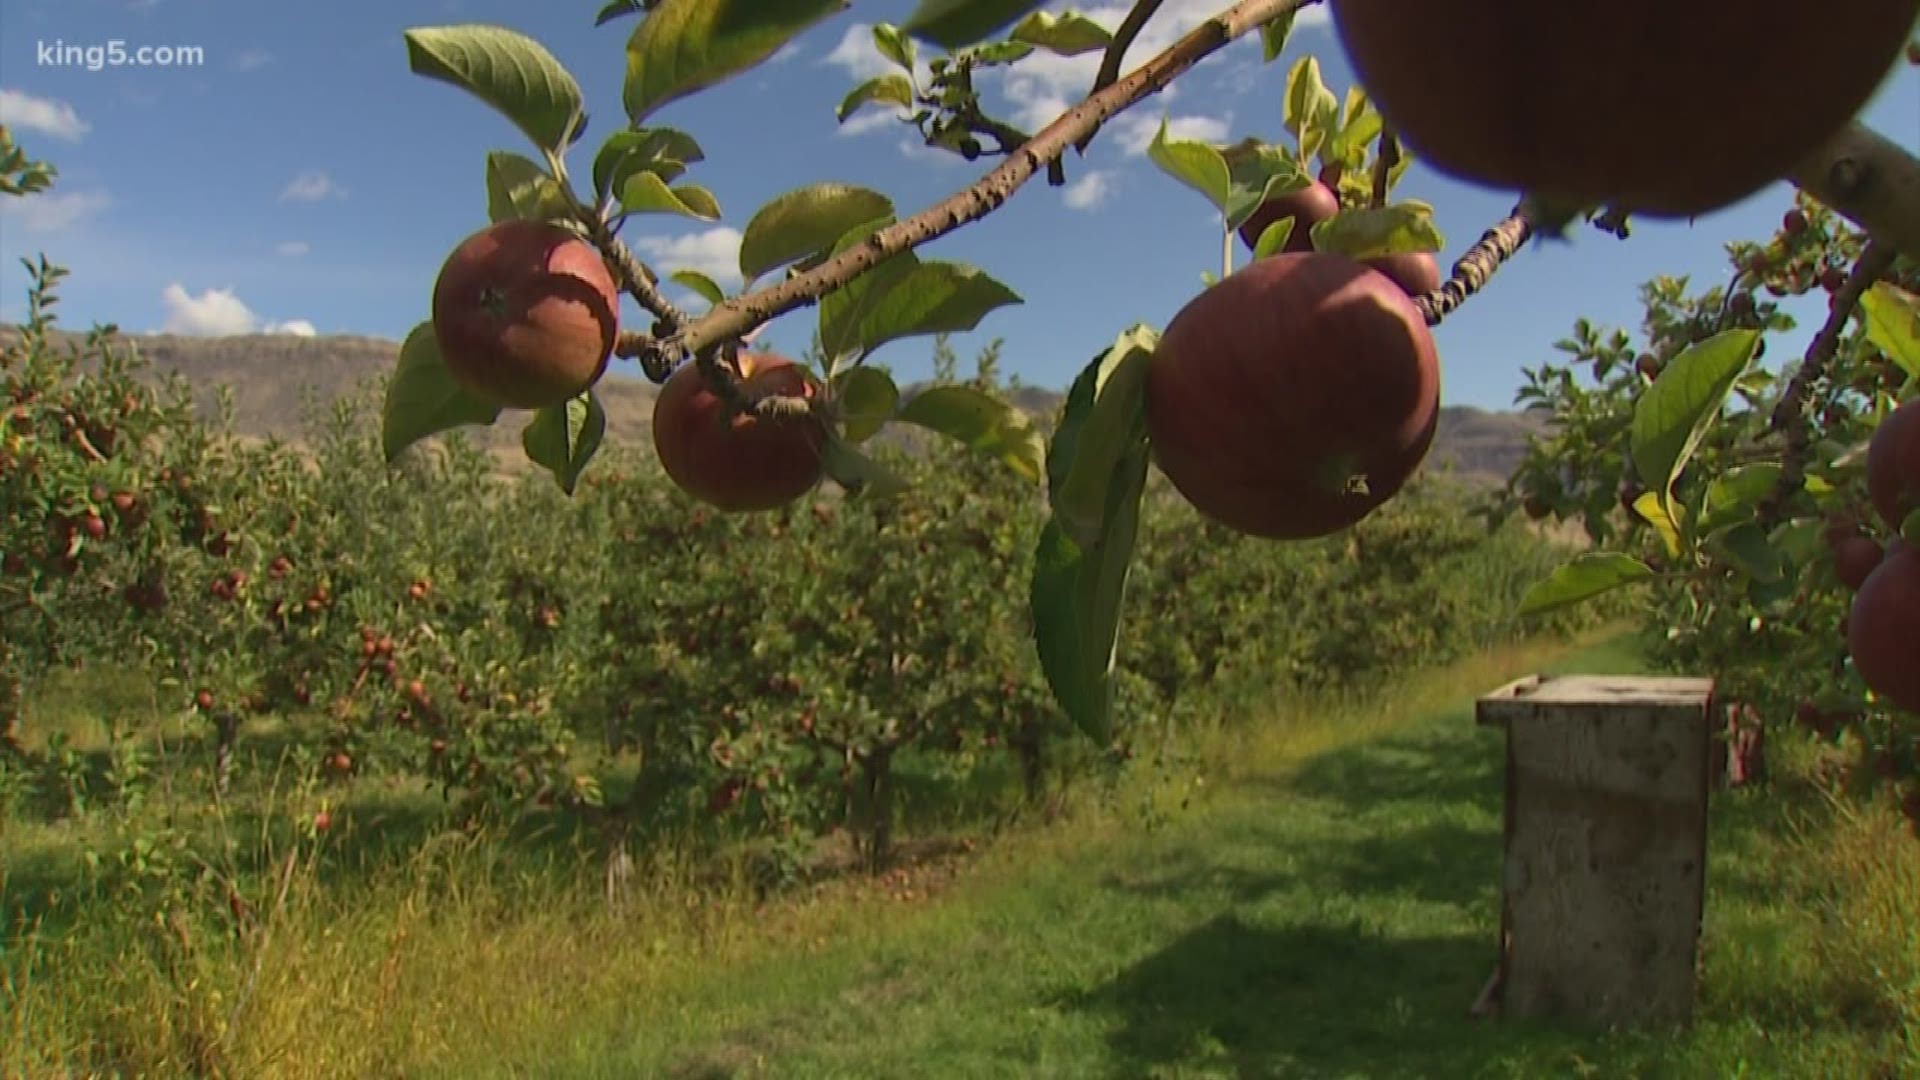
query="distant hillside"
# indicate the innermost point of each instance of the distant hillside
(272, 375)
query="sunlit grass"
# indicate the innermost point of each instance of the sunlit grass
(1307, 892)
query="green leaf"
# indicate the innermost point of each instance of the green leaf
(423, 399)
(1195, 164)
(1745, 546)
(1000, 53)
(1273, 37)
(927, 298)
(699, 200)
(1259, 171)
(709, 289)
(1068, 33)
(1079, 585)
(617, 8)
(1087, 453)
(860, 474)
(804, 221)
(1311, 108)
(1653, 510)
(1273, 238)
(1583, 578)
(1893, 324)
(843, 309)
(1362, 124)
(518, 188)
(1732, 495)
(981, 422)
(665, 151)
(562, 439)
(955, 24)
(1910, 528)
(1674, 413)
(868, 398)
(894, 45)
(506, 69)
(890, 89)
(1388, 230)
(685, 46)
(646, 193)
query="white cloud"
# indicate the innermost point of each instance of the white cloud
(856, 55)
(53, 211)
(292, 248)
(714, 252)
(45, 115)
(252, 59)
(1089, 191)
(219, 313)
(871, 118)
(312, 186)
(1044, 85)
(785, 53)
(1134, 132)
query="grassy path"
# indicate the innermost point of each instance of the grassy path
(1325, 909)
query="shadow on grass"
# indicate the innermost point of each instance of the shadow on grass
(1308, 1000)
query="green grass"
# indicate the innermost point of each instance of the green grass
(1323, 906)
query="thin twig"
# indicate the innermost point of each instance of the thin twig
(1123, 39)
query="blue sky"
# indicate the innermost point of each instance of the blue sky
(301, 179)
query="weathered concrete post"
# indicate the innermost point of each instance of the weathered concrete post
(1606, 837)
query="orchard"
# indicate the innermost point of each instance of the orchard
(773, 622)
(1291, 398)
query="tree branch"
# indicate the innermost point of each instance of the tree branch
(1471, 273)
(1790, 415)
(741, 314)
(1869, 180)
(1123, 39)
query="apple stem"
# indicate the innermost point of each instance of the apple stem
(1477, 266)
(1384, 165)
(1790, 416)
(1226, 247)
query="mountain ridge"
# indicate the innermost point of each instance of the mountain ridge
(269, 377)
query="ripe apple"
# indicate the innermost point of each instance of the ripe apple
(738, 463)
(1893, 464)
(1308, 207)
(1587, 116)
(1416, 272)
(1295, 396)
(1883, 632)
(1854, 558)
(525, 314)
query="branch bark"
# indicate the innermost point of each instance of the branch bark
(741, 314)
(1869, 180)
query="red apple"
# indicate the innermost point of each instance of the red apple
(1309, 206)
(1893, 465)
(1883, 632)
(1294, 397)
(525, 314)
(738, 463)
